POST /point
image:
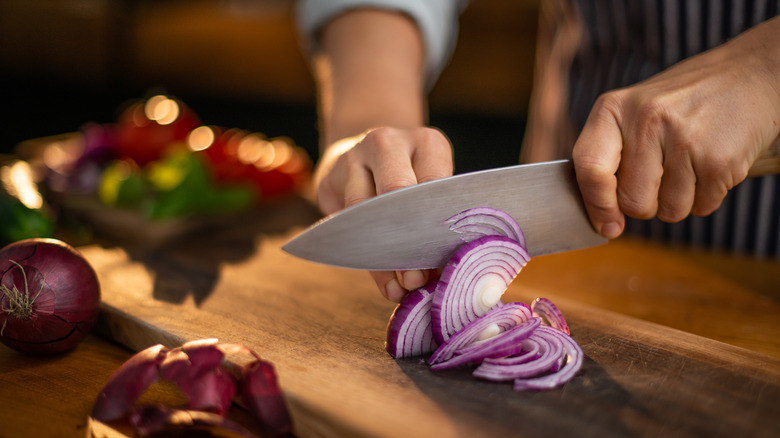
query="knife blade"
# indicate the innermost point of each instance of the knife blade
(408, 229)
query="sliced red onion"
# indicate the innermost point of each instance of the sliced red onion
(508, 368)
(127, 383)
(574, 359)
(486, 221)
(409, 329)
(545, 309)
(506, 343)
(473, 282)
(489, 325)
(530, 349)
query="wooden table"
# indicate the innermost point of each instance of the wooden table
(721, 297)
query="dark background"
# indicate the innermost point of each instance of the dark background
(238, 64)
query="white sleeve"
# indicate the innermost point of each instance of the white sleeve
(437, 20)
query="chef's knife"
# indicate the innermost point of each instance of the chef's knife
(408, 229)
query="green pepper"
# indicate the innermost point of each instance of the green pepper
(182, 187)
(18, 222)
(121, 185)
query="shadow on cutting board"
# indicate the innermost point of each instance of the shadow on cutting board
(582, 408)
(190, 264)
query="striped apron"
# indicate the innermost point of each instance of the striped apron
(587, 47)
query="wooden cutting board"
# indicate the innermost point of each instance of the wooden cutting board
(323, 328)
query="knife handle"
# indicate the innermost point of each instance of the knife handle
(767, 163)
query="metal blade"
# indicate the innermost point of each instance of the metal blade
(407, 229)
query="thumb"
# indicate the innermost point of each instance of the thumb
(596, 157)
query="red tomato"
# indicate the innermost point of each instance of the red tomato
(147, 129)
(222, 157)
(285, 175)
(273, 167)
(273, 183)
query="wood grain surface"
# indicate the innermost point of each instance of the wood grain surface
(323, 328)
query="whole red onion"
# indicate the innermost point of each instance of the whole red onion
(49, 296)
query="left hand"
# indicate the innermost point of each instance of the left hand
(675, 144)
(379, 161)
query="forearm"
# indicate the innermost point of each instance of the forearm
(369, 73)
(762, 41)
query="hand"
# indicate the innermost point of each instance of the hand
(376, 162)
(676, 143)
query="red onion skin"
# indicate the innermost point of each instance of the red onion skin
(263, 397)
(212, 392)
(127, 383)
(195, 368)
(199, 370)
(159, 420)
(66, 296)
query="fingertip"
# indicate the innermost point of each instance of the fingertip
(393, 290)
(611, 230)
(414, 279)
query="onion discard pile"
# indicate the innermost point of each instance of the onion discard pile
(459, 319)
(201, 372)
(49, 296)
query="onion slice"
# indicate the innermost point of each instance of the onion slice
(409, 329)
(462, 317)
(486, 221)
(492, 323)
(473, 282)
(574, 359)
(505, 343)
(510, 368)
(548, 311)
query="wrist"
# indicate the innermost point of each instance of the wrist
(760, 43)
(371, 81)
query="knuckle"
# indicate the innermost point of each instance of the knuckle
(652, 117)
(724, 171)
(350, 200)
(635, 206)
(670, 212)
(394, 185)
(609, 103)
(433, 137)
(592, 170)
(704, 210)
(383, 137)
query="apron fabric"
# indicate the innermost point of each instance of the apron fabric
(587, 47)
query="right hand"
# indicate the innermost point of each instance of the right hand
(379, 161)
